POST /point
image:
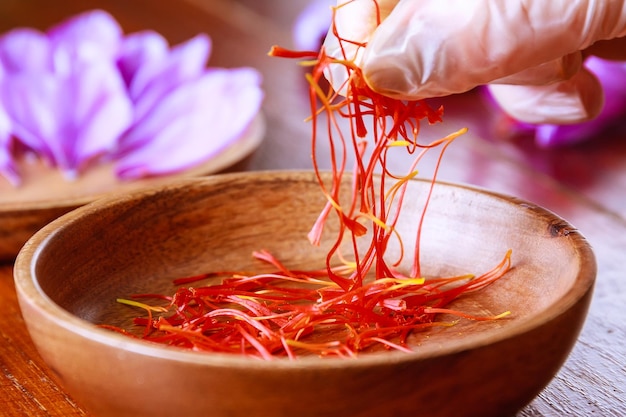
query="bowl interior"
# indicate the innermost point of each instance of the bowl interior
(139, 243)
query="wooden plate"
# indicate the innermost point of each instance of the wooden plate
(46, 194)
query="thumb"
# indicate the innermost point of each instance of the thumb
(354, 22)
(433, 48)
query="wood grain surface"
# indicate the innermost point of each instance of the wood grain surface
(584, 184)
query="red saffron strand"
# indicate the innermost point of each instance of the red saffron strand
(358, 301)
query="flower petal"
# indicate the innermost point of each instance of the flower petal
(14, 43)
(33, 106)
(139, 50)
(610, 73)
(192, 123)
(91, 36)
(105, 112)
(8, 168)
(151, 82)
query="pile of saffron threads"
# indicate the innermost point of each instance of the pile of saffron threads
(355, 303)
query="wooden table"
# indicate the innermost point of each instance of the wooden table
(584, 184)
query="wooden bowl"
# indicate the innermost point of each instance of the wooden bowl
(70, 273)
(45, 194)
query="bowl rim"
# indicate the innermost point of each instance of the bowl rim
(30, 292)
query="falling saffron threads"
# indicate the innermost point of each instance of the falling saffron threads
(360, 301)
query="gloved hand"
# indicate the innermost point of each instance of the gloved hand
(529, 52)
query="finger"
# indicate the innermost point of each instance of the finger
(560, 69)
(354, 22)
(432, 48)
(572, 101)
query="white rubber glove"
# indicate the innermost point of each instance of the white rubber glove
(529, 52)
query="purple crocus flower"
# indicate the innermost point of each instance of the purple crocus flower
(85, 92)
(66, 99)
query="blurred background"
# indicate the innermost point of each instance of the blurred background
(242, 32)
(582, 182)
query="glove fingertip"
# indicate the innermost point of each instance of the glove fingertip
(576, 100)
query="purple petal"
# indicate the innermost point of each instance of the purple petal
(312, 25)
(105, 112)
(71, 118)
(7, 162)
(610, 73)
(90, 36)
(30, 102)
(191, 124)
(14, 43)
(151, 82)
(5, 125)
(138, 50)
